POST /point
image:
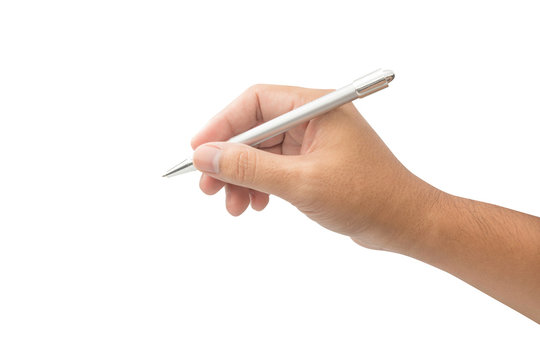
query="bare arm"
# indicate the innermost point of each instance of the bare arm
(337, 171)
(495, 249)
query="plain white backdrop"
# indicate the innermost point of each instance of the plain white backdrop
(101, 258)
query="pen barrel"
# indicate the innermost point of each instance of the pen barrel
(364, 86)
(359, 88)
(297, 116)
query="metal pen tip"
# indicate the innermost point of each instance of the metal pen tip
(182, 168)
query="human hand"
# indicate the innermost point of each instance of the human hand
(334, 168)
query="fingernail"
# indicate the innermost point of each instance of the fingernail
(206, 158)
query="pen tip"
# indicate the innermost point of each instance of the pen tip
(182, 168)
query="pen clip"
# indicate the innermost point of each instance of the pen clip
(373, 82)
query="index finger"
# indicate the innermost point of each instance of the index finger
(257, 104)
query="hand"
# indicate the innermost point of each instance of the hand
(335, 169)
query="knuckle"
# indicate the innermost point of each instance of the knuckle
(256, 88)
(246, 166)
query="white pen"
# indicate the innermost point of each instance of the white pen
(362, 87)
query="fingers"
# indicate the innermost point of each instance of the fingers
(236, 198)
(257, 104)
(209, 185)
(259, 200)
(250, 168)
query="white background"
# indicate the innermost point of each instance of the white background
(101, 258)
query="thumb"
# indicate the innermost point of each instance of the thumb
(248, 167)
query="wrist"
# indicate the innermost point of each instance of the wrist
(408, 221)
(433, 214)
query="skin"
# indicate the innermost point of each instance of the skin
(337, 171)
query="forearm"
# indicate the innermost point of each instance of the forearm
(495, 249)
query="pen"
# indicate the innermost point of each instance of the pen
(362, 87)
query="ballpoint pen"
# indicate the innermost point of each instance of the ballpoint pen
(362, 87)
